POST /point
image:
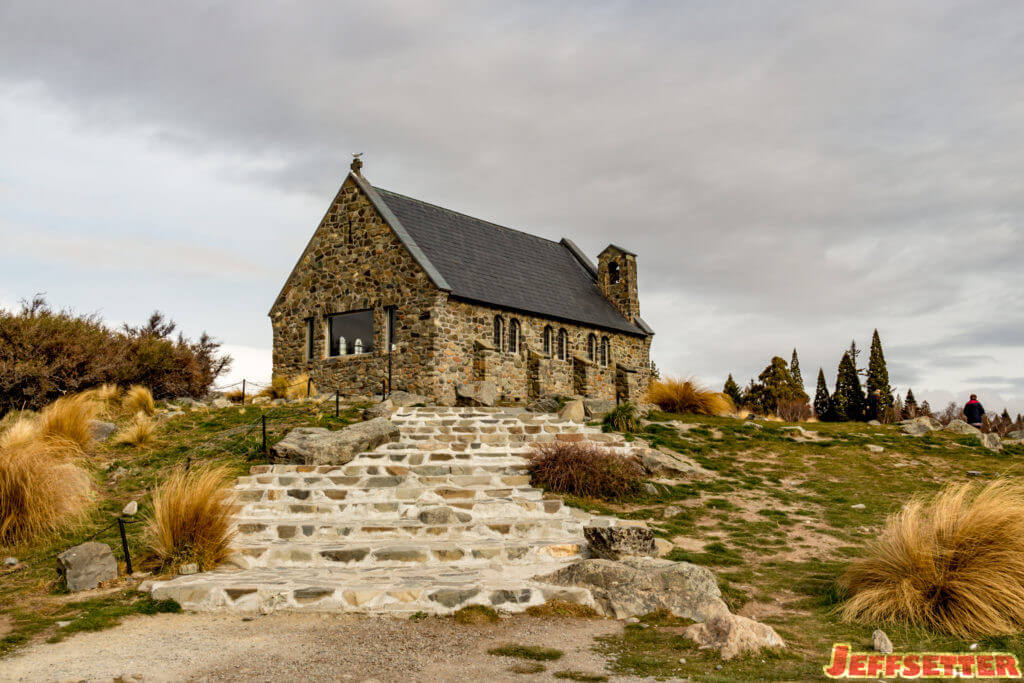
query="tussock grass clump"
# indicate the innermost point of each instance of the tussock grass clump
(624, 418)
(42, 489)
(138, 399)
(191, 519)
(69, 418)
(563, 608)
(583, 469)
(952, 564)
(289, 387)
(476, 614)
(235, 396)
(675, 395)
(139, 432)
(19, 433)
(534, 652)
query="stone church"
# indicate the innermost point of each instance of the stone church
(395, 292)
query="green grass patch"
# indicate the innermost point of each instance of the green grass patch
(533, 652)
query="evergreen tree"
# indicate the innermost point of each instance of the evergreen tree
(926, 409)
(1006, 416)
(822, 401)
(878, 374)
(848, 398)
(794, 370)
(910, 405)
(775, 386)
(897, 408)
(853, 352)
(732, 390)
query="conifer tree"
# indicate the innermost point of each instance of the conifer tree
(732, 390)
(848, 398)
(926, 409)
(822, 401)
(775, 387)
(794, 370)
(878, 374)
(854, 352)
(1006, 416)
(910, 404)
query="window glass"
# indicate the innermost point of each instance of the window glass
(591, 347)
(499, 329)
(513, 336)
(350, 333)
(547, 340)
(310, 338)
(604, 351)
(563, 345)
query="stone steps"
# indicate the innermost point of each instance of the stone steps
(481, 508)
(314, 530)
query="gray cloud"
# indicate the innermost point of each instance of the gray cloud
(789, 176)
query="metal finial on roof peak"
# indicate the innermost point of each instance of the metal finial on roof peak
(357, 163)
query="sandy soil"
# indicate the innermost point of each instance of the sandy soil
(306, 647)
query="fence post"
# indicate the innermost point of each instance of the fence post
(124, 546)
(263, 419)
(309, 386)
(243, 392)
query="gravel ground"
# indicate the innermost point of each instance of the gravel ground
(306, 647)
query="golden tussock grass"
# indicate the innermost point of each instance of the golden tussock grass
(290, 387)
(952, 564)
(69, 418)
(139, 432)
(42, 489)
(138, 399)
(235, 396)
(106, 397)
(191, 519)
(19, 433)
(676, 395)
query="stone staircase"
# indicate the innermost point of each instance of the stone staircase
(443, 518)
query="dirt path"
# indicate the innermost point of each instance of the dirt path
(306, 647)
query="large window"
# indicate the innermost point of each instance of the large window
(350, 333)
(513, 336)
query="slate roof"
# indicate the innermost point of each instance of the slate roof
(483, 262)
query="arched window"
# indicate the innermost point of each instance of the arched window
(513, 336)
(499, 332)
(613, 273)
(591, 348)
(547, 340)
(605, 350)
(563, 345)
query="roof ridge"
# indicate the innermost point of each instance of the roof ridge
(466, 215)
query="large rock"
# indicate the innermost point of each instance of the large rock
(383, 409)
(961, 427)
(319, 446)
(403, 399)
(991, 441)
(547, 403)
(85, 566)
(639, 585)
(667, 463)
(476, 393)
(221, 403)
(733, 634)
(261, 400)
(573, 410)
(1018, 434)
(100, 430)
(597, 408)
(616, 542)
(920, 426)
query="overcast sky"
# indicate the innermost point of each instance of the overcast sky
(789, 173)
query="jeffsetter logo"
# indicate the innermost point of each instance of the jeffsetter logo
(847, 664)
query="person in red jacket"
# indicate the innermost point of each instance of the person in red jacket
(974, 412)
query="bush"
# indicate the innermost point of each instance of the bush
(794, 411)
(583, 469)
(953, 564)
(674, 395)
(46, 354)
(191, 519)
(624, 418)
(42, 489)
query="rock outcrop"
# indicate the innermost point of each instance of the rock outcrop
(961, 427)
(920, 426)
(319, 446)
(617, 542)
(733, 635)
(476, 393)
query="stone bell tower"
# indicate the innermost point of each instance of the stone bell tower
(616, 273)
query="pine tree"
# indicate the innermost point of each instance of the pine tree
(732, 390)
(853, 352)
(926, 409)
(1006, 416)
(794, 370)
(775, 387)
(910, 405)
(848, 398)
(878, 374)
(822, 401)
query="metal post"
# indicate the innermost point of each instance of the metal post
(383, 389)
(124, 546)
(309, 387)
(243, 392)
(263, 419)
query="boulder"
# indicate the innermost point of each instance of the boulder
(920, 425)
(635, 586)
(880, 641)
(279, 402)
(87, 565)
(991, 441)
(665, 462)
(733, 635)
(573, 410)
(221, 403)
(403, 399)
(186, 401)
(961, 427)
(1018, 434)
(319, 446)
(547, 403)
(261, 400)
(875, 448)
(616, 542)
(383, 409)
(100, 430)
(476, 393)
(597, 408)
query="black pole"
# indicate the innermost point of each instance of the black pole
(124, 546)
(188, 463)
(243, 392)
(309, 387)
(383, 389)
(263, 419)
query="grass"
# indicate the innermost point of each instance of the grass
(527, 668)
(676, 395)
(953, 563)
(572, 675)
(476, 615)
(624, 418)
(563, 609)
(582, 469)
(139, 432)
(70, 419)
(532, 652)
(138, 399)
(191, 519)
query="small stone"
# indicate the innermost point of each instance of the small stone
(62, 624)
(187, 569)
(682, 660)
(880, 641)
(100, 430)
(632, 620)
(650, 488)
(671, 511)
(858, 506)
(973, 647)
(973, 473)
(875, 448)
(130, 509)
(10, 561)
(718, 667)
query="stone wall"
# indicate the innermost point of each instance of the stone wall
(353, 262)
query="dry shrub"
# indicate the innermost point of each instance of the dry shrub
(69, 418)
(583, 469)
(289, 388)
(191, 519)
(235, 396)
(139, 432)
(564, 609)
(953, 564)
(675, 395)
(105, 396)
(794, 411)
(137, 400)
(42, 489)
